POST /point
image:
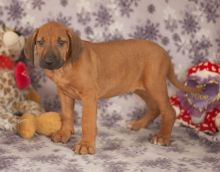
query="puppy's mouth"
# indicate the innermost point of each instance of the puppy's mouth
(51, 63)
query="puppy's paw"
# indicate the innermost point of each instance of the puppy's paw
(136, 124)
(160, 140)
(61, 136)
(84, 148)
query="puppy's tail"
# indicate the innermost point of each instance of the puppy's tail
(173, 79)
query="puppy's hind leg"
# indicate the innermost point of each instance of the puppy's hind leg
(152, 112)
(167, 112)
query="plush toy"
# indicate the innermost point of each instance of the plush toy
(23, 82)
(21, 76)
(14, 82)
(201, 112)
(11, 44)
(46, 124)
(6, 63)
(13, 102)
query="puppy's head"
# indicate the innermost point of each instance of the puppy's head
(52, 45)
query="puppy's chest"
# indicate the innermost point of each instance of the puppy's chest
(66, 85)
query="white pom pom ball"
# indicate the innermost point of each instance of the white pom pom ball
(10, 38)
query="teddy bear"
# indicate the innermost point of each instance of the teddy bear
(13, 101)
(15, 90)
(11, 44)
(200, 111)
(46, 124)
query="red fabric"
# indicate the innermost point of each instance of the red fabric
(207, 65)
(207, 125)
(184, 117)
(6, 63)
(21, 75)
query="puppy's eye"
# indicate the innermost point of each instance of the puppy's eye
(40, 42)
(60, 42)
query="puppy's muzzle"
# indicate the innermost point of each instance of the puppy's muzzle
(51, 61)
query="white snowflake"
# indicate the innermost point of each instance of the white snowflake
(87, 5)
(169, 13)
(28, 19)
(116, 26)
(204, 31)
(28, 6)
(111, 4)
(194, 10)
(97, 36)
(200, 15)
(183, 44)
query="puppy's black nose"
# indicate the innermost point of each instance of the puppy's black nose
(49, 60)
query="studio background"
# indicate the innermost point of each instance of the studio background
(188, 29)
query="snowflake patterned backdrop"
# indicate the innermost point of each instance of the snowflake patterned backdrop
(188, 29)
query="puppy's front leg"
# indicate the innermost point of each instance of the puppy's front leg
(67, 116)
(87, 143)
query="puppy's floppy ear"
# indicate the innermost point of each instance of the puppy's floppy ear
(29, 46)
(75, 47)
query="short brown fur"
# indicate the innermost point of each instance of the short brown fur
(99, 70)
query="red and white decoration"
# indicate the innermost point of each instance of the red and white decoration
(20, 71)
(210, 122)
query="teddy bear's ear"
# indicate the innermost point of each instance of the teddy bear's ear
(29, 46)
